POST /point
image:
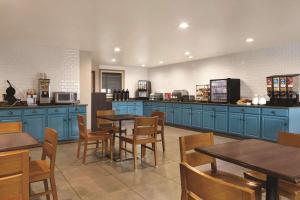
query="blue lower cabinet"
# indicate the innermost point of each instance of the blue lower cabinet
(122, 110)
(11, 119)
(131, 110)
(147, 111)
(169, 115)
(252, 125)
(73, 126)
(272, 125)
(208, 120)
(186, 117)
(177, 116)
(197, 118)
(236, 123)
(221, 121)
(139, 108)
(35, 126)
(60, 124)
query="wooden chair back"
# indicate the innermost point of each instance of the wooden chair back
(82, 127)
(10, 127)
(49, 147)
(190, 142)
(145, 126)
(289, 139)
(14, 175)
(196, 185)
(104, 122)
(161, 118)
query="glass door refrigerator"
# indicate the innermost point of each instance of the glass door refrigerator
(224, 90)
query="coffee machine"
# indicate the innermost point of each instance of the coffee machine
(144, 90)
(44, 91)
(283, 90)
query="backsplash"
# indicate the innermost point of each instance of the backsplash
(21, 65)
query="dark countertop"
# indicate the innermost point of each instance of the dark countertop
(5, 106)
(215, 104)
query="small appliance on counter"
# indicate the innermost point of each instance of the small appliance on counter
(144, 90)
(188, 98)
(202, 93)
(224, 90)
(167, 96)
(177, 95)
(65, 97)
(9, 97)
(31, 97)
(283, 90)
(156, 96)
(44, 91)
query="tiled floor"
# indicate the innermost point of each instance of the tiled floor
(102, 179)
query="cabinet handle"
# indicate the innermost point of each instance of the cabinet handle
(56, 110)
(273, 112)
(10, 112)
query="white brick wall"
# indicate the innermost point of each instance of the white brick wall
(21, 64)
(251, 67)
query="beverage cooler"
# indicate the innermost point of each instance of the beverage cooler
(224, 90)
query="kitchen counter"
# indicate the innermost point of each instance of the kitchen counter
(5, 106)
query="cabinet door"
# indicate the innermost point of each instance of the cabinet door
(252, 125)
(221, 121)
(208, 119)
(161, 109)
(177, 116)
(131, 110)
(186, 117)
(147, 111)
(272, 125)
(122, 110)
(73, 126)
(169, 115)
(35, 125)
(236, 123)
(197, 118)
(139, 110)
(60, 124)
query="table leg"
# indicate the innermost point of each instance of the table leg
(272, 188)
(120, 130)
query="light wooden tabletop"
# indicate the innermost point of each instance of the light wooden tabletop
(17, 141)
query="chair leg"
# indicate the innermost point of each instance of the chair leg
(78, 148)
(46, 188)
(53, 187)
(134, 156)
(84, 152)
(111, 148)
(121, 148)
(163, 141)
(155, 153)
(143, 151)
(125, 144)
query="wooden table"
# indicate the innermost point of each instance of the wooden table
(274, 160)
(17, 141)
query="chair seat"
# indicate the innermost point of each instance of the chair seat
(38, 170)
(100, 135)
(285, 187)
(140, 139)
(234, 179)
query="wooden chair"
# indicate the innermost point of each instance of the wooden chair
(14, 175)
(286, 189)
(144, 132)
(43, 170)
(194, 159)
(161, 125)
(196, 185)
(92, 138)
(10, 127)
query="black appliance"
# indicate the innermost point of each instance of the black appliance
(283, 90)
(99, 102)
(144, 90)
(225, 90)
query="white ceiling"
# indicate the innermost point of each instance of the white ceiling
(147, 30)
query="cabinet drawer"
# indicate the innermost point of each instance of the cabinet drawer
(139, 103)
(244, 110)
(215, 108)
(275, 112)
(186, 105)
(147, 103)
(57, 111)
(77, 109)
(130, 103)
(10, 112)
(169, 105)
(197, 107)
(177, 105)
(35, 111)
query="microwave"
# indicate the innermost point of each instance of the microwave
(65, 97)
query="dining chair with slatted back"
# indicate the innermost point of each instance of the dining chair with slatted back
(43, 170)
(161, 127)
(104, 123)
(14, 175)
(189, 143)
(91, 138)
(144, 133)
(197, 185)
(10, 127)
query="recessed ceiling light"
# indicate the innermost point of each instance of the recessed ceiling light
(113, 60)
(161, 62)
(190, 57)
(183, 25)
(187, 53)
(143, 65)
(117, 49)
(249, 40)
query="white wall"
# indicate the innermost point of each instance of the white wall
(21, 64)
(132, 75)
(251, 67)
(86, 82)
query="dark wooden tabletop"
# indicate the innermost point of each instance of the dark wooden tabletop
(118, 117)
(270, 158)
(17, 141)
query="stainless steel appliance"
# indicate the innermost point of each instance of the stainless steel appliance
(225, 90)
(178, 94)
(65, 97)
(144, 90)
(156, 96)
(44, 91)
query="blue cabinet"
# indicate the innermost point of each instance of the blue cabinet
(147, 110)
(169, 115)
(73, 131)
(236, 123)
(34, 122)
(221, 121)
(10, 115)
(186, 117)
(197, 118)
(59, 122)
(252, 125)
(131, 110)
(271, 125)
(177, 115)
(131, 107)
(208, 119)
(215, 118)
